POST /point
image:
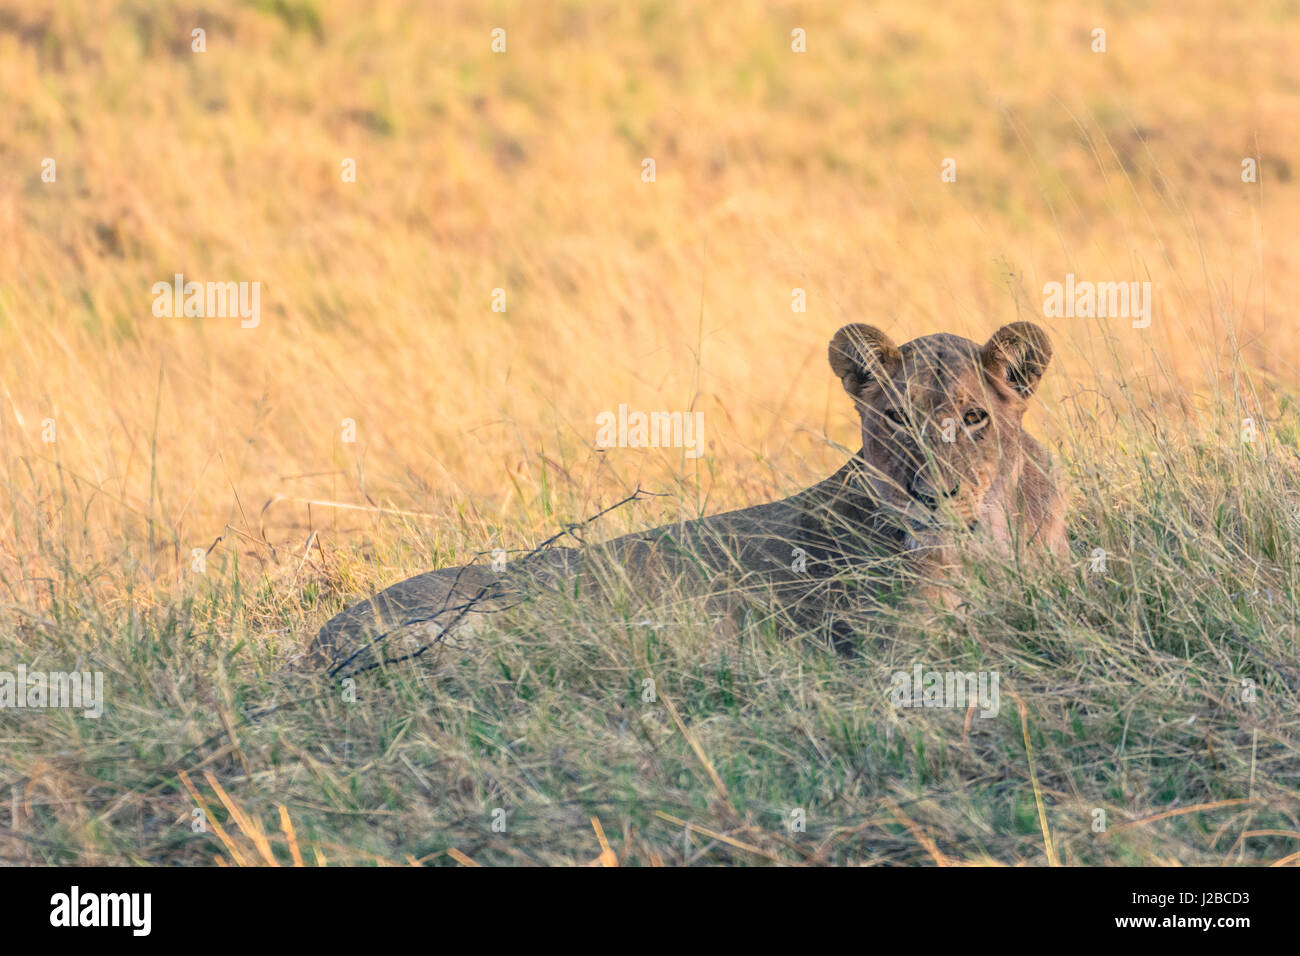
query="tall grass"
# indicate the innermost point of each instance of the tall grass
(1161, 691)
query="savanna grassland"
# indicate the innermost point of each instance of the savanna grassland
(1159, 688)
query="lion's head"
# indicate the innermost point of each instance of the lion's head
(941, 421)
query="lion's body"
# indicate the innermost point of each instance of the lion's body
(863, 523)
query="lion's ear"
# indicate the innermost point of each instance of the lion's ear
(862, 355)
(1016, 357)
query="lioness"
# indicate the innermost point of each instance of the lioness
(944, 464)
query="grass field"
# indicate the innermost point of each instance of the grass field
(1161, 695)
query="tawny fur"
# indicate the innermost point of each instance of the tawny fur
(945, 465)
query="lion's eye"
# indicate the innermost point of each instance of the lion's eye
(895, 416)
(976, 418)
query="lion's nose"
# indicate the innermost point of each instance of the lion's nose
(924, 492)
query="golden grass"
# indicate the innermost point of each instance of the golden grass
(522, 171)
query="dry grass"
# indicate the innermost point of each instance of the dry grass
(475, 428)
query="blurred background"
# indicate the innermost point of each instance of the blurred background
(522, 171)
